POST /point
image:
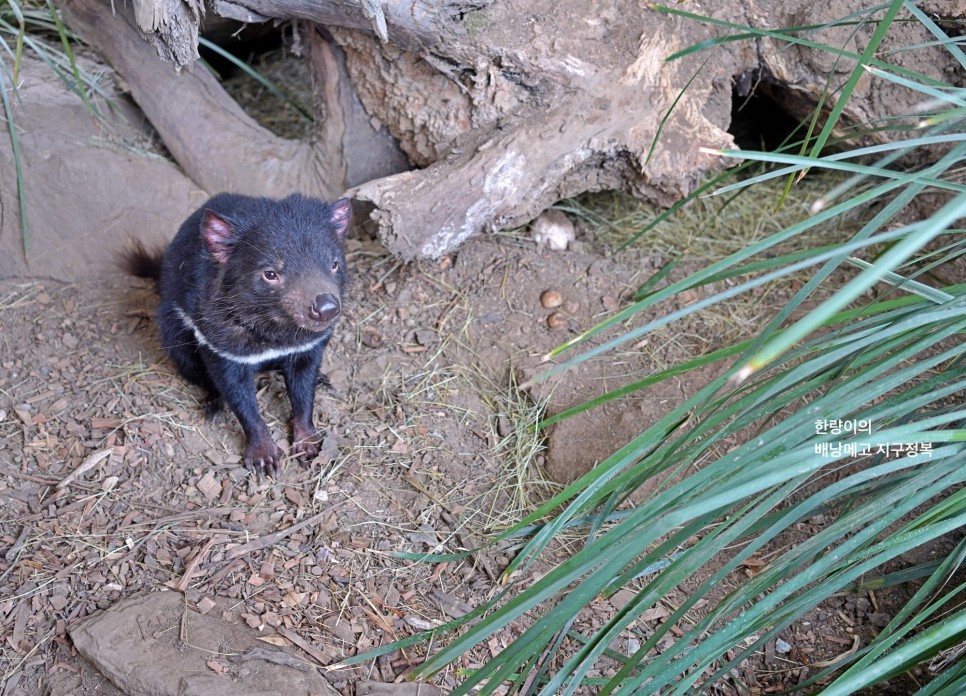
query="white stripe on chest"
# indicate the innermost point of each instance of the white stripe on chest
(254, 359)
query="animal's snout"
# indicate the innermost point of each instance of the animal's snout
(326, 307)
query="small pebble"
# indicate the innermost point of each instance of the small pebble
(551, 299)
(781, 647)
(557, 321)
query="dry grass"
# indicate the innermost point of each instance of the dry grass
(709, 229)
(289, 74)
(712, 227)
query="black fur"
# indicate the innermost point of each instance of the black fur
(142, 263)
(252, 284)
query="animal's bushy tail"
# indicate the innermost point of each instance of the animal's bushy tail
(140, 262)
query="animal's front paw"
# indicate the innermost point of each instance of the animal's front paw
(305, 441)
(263, 457)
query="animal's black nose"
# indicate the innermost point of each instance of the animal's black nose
(325, 308)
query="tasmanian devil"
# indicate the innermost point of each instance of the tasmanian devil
(247, 285)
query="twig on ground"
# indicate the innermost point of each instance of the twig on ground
(265, 541)
(86, 466)
(310, 649)
(276, 657)
(192, 568)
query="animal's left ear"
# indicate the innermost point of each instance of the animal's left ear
(341, 215)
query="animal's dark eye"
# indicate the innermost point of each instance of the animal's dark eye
(270, 275)
(335, 266)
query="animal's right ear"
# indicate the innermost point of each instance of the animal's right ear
(341, 215)
(217, 234)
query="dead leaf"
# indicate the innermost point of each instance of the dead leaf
(655, 613)
(217, 667)
(277, 641)
(87, 465)
(296, 497)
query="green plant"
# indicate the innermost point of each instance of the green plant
(748, 457)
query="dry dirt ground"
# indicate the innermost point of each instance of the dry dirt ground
(113, 486)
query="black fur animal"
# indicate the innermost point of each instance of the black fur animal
(247, 285)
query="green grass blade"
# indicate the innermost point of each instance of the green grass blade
(636, 333)
(943, 38)
(75, 70)
(943, 96)
(896, 280)
(803, 163)
(947, 632)
(255, 75)
(882, 27)
(17, 157)
(788, 35)
(670, 110)
(798, 164)
(923, 233)
(18, 51)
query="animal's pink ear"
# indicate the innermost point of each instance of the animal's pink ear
(217, 234)
(341, 215)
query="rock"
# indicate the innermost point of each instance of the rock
(73, 227)
(553, 229)
(557, 321)
(551, 299)
(136, 644)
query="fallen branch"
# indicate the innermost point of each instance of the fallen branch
(305, 645)
(204, 129)
(275, 657)
(265, 541)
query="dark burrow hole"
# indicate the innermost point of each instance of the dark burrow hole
(758, 119)
(247, 42)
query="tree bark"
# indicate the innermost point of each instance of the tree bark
(505, 106)
(414, 25)
(217, 144)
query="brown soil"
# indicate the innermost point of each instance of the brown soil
(417, 428)
(421, 451)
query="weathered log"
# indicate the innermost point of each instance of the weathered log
(415, 25)
(595, 138)
(222, 148)
(171, 26)
(508, 106)
(208, 134)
